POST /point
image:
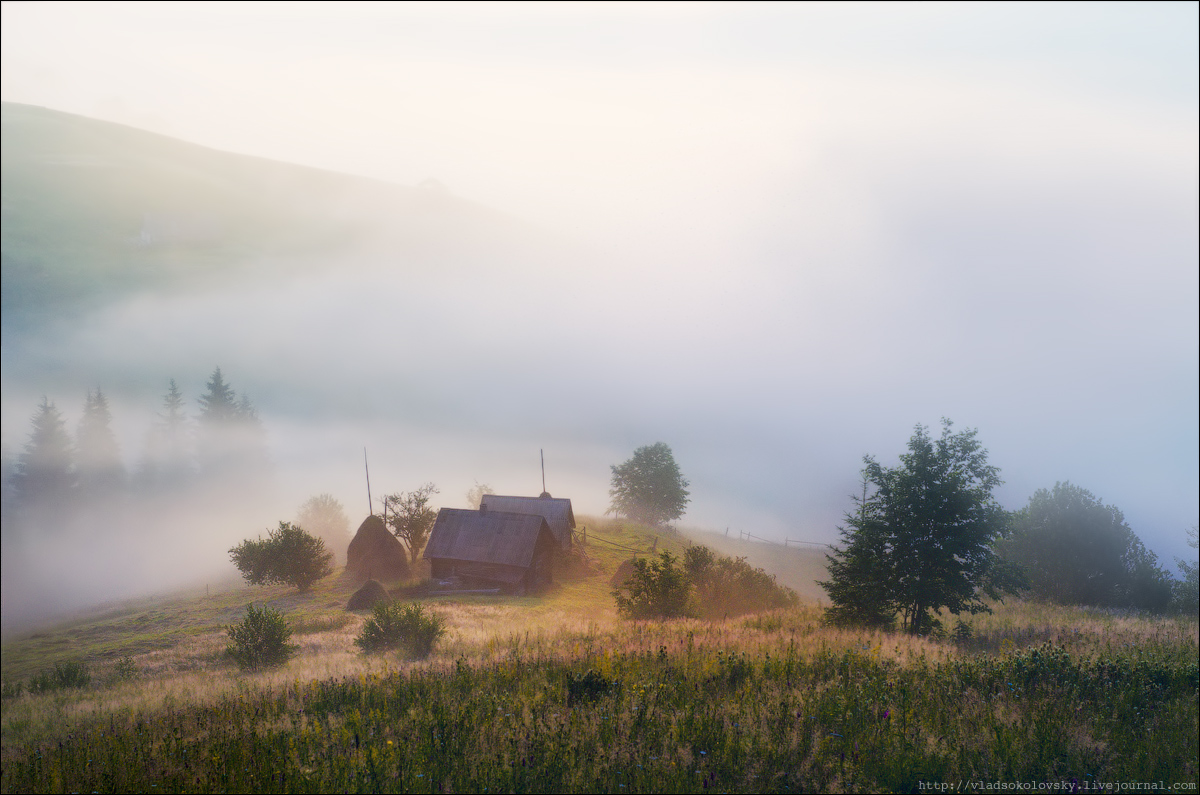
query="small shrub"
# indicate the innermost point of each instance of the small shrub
(261, 640)
(589, 687)
(392, 625)
(125, 669)
(64, 676)
(11, 690)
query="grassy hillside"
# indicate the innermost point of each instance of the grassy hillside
(93, 209)
(555, 693)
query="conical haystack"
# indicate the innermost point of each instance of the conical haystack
(367, 596)
(374, 553)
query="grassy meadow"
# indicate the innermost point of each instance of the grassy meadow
(555, 693)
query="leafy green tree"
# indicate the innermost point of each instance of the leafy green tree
(922, 542)
(1077, 550)
(410, 517)
(324, 517)
(289, 556)
(44, 474)
(649, 488)
(98, 460)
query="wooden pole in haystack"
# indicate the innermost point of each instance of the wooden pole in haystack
(370, 503)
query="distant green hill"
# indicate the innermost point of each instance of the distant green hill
(92, 210)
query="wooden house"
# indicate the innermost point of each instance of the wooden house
(512, 551)
(556, 512)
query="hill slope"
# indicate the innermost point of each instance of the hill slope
(92, 210)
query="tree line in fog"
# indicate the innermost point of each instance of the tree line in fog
(58, 474)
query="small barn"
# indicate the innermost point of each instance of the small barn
(513, 551)
(556, 512)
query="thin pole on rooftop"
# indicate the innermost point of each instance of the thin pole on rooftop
(543, 454)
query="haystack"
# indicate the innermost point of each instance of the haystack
(374, 553)
(623, 573)
(368, 596)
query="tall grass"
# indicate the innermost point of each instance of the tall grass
(767, 703)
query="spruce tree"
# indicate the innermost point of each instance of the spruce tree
(219, 413)
(168, 457)
(98, 460)
(922, 542)
(44, 473)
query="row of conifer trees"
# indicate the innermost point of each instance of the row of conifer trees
(223, 438)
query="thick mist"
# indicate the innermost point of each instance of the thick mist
(774, 254)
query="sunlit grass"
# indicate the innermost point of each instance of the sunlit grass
(772, 702)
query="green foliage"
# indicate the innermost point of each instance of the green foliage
(1187, 590)
(261, 640)
(64, 676)
(412, 626)
(649, 488)
(724, 586)
(923, 540)
(125, 669)
(704, 584)
(590, 686)
(410, 517)
(656, 589)
(1079, 551)
(289, 556)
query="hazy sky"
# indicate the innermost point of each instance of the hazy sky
(794, 231)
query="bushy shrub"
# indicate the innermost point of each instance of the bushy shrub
(261, 640)
(411, 626)
(125, 669)
(656, 589)
(64, 676)
(703, 584)
(731, 586)
(289, 556)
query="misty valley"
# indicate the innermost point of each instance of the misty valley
(420, 534)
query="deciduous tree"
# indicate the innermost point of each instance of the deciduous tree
(1078, 550)
(324, 517)
(289, 556)
(410, 517)
(649, 488)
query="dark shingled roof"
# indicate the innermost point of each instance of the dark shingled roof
(557, 512)
(508, 539)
